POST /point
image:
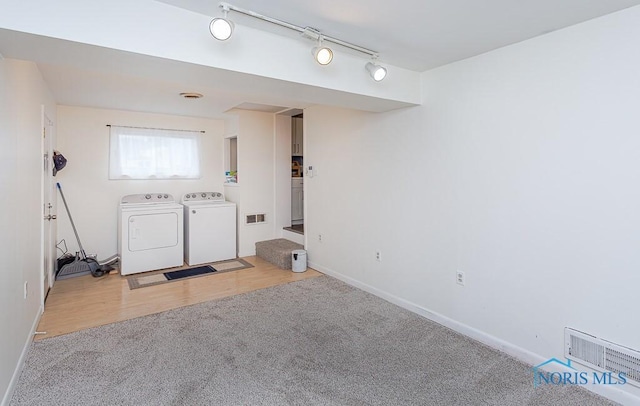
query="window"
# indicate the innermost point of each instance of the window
(145, 153)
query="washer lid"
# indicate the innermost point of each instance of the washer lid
(207, 204)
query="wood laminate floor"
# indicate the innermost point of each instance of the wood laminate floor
(83, 302)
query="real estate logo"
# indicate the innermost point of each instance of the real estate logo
(574, 377)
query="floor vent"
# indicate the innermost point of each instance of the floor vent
(256, 218)
(602, 355)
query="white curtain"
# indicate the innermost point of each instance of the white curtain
(141, 153)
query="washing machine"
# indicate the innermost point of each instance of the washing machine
(150, 233)
(209, 228)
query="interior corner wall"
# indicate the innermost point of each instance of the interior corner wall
(22, 95)
(254, 193)
(520, 169)
(83, 138)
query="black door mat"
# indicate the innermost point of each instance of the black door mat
(185, 273)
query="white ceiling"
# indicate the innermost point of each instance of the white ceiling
(420, 34)
(413, 34)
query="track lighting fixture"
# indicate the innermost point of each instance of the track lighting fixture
(221, 28)
(323, 55)
(376, 71)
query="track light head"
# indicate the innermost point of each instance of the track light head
(221, 28)
(376, 71)
(323, 55)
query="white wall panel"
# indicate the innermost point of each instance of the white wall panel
(520, 170)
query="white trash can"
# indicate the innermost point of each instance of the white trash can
(298, 260)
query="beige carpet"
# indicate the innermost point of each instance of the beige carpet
(146, 279)
(312, 342)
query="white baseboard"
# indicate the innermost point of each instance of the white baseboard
(528, 357)
(20, 366)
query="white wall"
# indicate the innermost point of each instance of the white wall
(521, 170)
(254, 192)
(22, 94)
(83, 138)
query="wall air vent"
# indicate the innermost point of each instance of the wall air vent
(259, 218)
(602, 355)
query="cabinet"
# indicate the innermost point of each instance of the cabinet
(296, 136)
(297, 201)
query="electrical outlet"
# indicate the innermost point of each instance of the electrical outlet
(460, 278)
(379, 256)
(319, 237)
(26, 289)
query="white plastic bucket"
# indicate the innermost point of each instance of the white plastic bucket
(298, 260)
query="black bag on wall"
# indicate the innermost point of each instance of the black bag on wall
(59, 162)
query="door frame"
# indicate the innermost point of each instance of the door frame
(47, 198)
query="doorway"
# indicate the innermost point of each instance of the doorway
(297, 181)
(289, 181)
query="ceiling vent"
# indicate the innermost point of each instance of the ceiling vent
(191, 95)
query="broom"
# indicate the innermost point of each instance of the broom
(82, 265)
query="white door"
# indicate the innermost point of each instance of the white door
(48, 214)
(297, 201)
(153, 231)
(296, 136)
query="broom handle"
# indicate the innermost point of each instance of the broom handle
(84, 256)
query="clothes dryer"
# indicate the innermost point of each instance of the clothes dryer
(150, 233)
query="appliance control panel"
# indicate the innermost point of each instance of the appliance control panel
(147, 198)
(203, 196)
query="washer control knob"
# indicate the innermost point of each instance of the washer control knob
(166, 196)
(204, 195)
(159, 196)
(147, 197)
